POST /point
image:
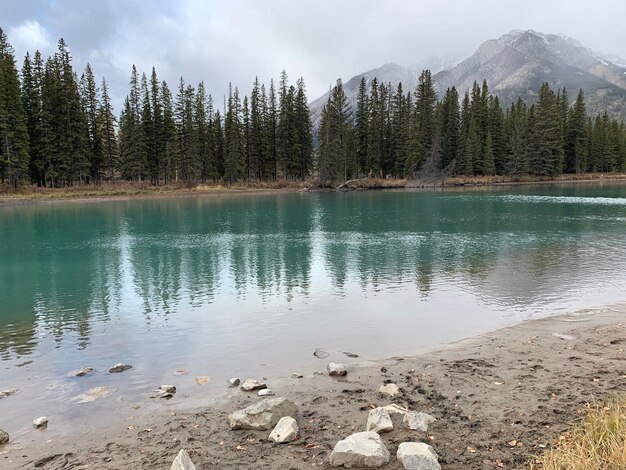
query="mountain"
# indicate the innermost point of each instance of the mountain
(388, 73)
(516, 65)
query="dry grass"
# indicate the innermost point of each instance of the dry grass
(598, 442)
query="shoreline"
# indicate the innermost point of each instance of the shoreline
(139, 192)
(524, 384)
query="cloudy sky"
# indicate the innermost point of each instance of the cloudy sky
(321, 40)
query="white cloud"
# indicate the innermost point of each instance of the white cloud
(29, 36)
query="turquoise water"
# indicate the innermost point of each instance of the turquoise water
(252, 285)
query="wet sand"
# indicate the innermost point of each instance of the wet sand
(498, 398)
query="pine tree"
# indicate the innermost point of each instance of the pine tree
(374, 132)
(334, 148)
(256, 138)
(497, 129)
(576, 145)
(489, 165)
(155, 147)
(202, 127)
(189, 164)
(132, 155)
(91, 104)
(547, 158)
(146, 132)
(398, 132)
(72, 129)
(465, 162)
(361, 119)
(304, 132)
(14, 158)
(450, 129)
(109, 144)
(32, 81)
(168, 161)
(517, 125)
(233, 139)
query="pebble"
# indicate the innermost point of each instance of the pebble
(119, 367)
(40, 423)
(250, 385)
(336, 370)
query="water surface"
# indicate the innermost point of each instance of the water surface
(251, 285)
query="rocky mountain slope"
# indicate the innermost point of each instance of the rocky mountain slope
(516, 65)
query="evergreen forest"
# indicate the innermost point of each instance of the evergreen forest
(58, 128)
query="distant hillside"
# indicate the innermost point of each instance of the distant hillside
(516, 65)
(388, 73)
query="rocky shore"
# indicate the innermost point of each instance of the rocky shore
(493, 401)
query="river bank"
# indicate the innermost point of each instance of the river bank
(134, 190)
(499, 399)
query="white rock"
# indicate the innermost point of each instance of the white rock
(285, 431)
(233, 382)
(81, 372)
(389, 390)
(266, 392)
(394, 410)
(9, 392)
(362, 449)
(379, 421)
(418, 421)
(263, 415)
(337, 370)
(119, 367)
(4, 437)
(295, 375)
(182, 462)
(167, 389)
(417, 456)
(40, 423)
(250, 385)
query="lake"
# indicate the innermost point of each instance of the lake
(250, 286)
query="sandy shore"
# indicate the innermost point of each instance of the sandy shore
(498, 399)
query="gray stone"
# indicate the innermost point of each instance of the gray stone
(362, 449)
(40, 423)
(379, 421)
(418, 456)
(389, 390)
(233, 382)
(9, 392)
(285, 431)
(396, 410)
(266, 392)
(4, 437)
(81, 372)
(295, 375)
(336, 370)
(167, 389)
(263, 415)
(418, 421)
(182, 462)
(119, 367)
(250, 385)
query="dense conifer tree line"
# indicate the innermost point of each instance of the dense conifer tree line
(404, 134)
(59, 129)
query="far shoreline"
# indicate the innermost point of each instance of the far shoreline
(124, 191)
